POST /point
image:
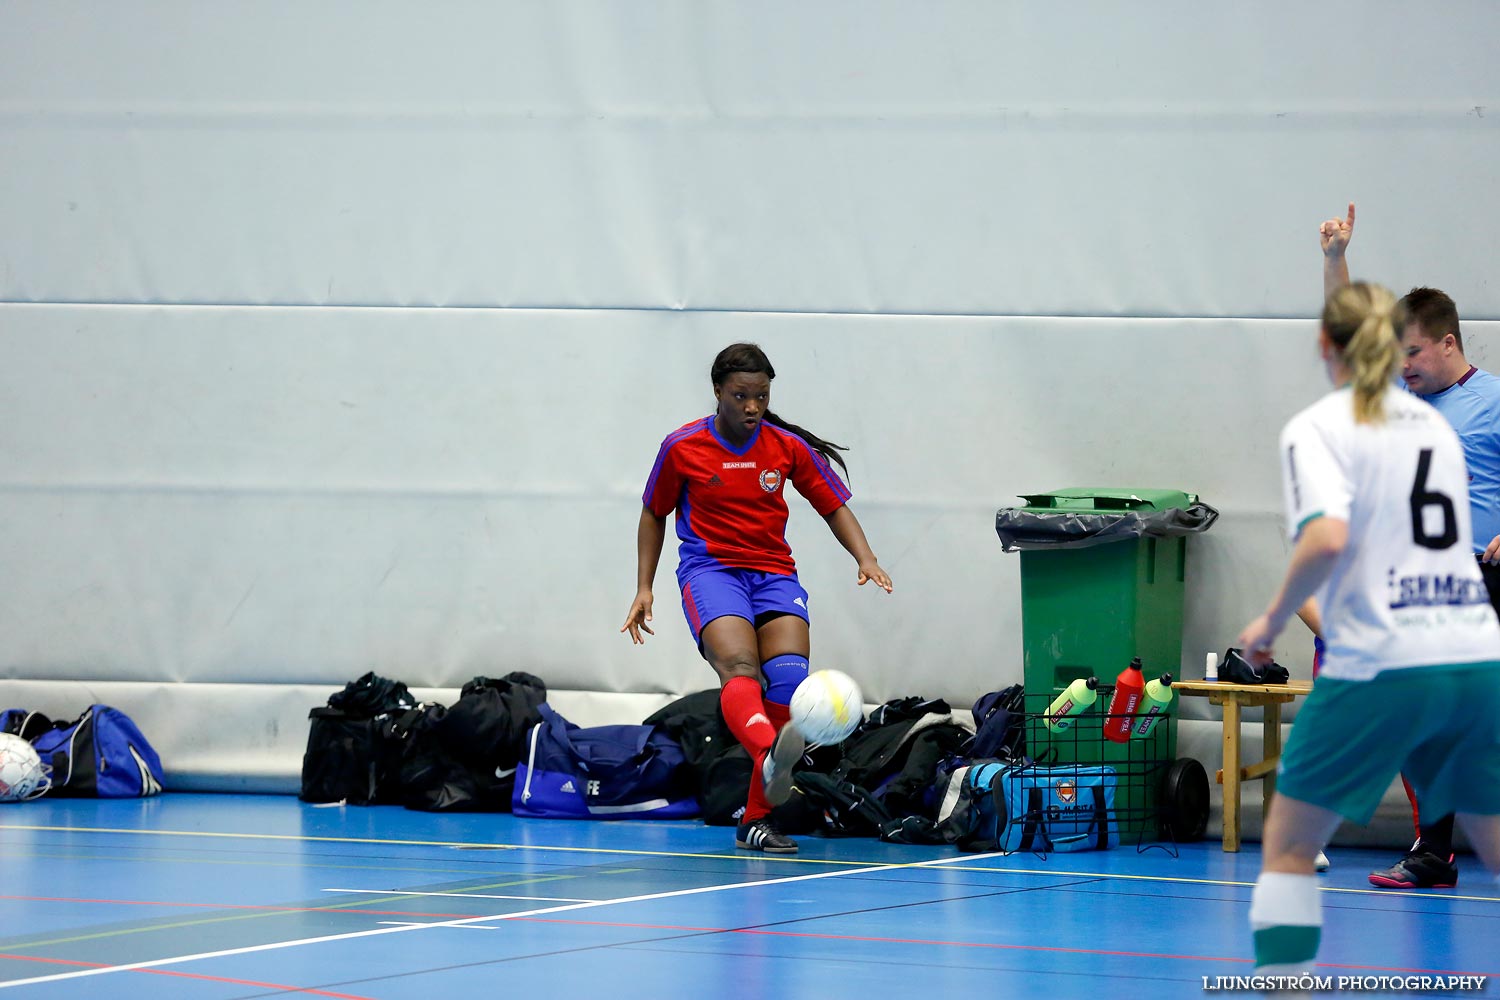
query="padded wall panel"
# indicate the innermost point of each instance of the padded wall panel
(959, 158)
(297, 496)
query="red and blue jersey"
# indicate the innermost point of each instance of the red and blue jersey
(731, 502)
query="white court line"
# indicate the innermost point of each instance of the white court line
(354, 935)
(464, 895)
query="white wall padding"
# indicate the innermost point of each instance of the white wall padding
(258, 495)
(295, 496)
(960, 157)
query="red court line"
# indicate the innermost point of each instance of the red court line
(238, 906)
(1085, 951)
(191, 975)
(989, 945)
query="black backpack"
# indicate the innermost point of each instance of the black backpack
(463, 758)
(372, 695)
(1000, 725)
(831, 807)
(353, 743)
(355, 759)
(896, 751)
(716, 763)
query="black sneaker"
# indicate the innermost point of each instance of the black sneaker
(776, 770)
(762, 835)
(1418, 870)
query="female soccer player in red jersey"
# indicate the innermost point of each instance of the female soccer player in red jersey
(726, 476)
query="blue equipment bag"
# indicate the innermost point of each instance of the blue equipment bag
(603, 772)
(103, 754)
(20, 722)
(1009, 806)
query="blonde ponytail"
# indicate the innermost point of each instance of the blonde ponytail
(1360, 321)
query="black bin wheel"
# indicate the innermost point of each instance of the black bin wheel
(1184, 801)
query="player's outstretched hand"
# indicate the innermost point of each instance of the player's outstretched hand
(872, 571)
(1255, 640)
(1335, 234)
(640, 614)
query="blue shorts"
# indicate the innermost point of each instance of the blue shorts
(753, 596)
(1439, 726)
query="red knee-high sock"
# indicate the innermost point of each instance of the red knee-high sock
(1416, 817)
(780, 714)
(746, 714)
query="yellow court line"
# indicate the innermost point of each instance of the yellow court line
(290, 862)
(1224, 882)
(440, 843)
(934, 864)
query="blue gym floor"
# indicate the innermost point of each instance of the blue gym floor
(237, 896)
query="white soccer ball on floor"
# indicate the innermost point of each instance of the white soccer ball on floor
(22, 774)
(827, 707)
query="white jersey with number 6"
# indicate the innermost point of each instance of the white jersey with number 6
(1406, 591)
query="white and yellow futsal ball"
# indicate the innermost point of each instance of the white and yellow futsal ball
(827, 707)
(22, 775)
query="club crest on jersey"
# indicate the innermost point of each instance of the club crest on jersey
(770, 480)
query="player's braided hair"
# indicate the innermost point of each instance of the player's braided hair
(751, 359)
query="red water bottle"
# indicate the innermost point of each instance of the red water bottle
(1129, 687)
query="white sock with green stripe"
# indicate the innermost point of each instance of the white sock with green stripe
(1286, 917)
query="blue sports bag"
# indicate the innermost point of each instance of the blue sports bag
(603, 772)
(1022, 806)
(101, 754)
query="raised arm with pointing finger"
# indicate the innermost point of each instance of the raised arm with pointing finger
(1335, 235)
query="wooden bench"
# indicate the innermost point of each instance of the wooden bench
(1234, 697)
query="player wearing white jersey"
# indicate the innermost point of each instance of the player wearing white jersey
(1377, 501)
(1410, 594)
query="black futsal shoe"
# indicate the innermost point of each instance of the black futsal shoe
(1418, 870)
(762, 835)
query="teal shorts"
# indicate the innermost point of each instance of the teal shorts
(1439, 726)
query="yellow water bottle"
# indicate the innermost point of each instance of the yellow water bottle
(1155, 701)
(1075, 698)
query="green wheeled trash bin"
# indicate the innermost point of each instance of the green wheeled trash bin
(1103, 575)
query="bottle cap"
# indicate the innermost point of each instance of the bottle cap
(1166, 680)
(1091, 683)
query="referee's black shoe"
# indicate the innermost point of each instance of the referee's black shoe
(1420, 869)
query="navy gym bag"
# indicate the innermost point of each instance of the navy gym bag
(603, 772)
(103, 754)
